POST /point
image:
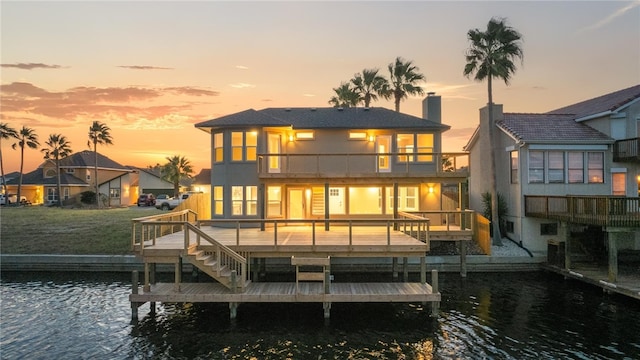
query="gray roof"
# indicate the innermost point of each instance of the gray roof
(602, 104)
(329, 118)
(550, 128)
(204, 177)
(37, 178)
(86, 159)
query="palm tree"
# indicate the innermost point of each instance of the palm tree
(176, 169)
(346, 96)
(491, 54)
(6, 132)
(404, 78)
(369, 85)
(26, 137)
(99, 133)
(58, 148)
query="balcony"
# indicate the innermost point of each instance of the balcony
(349, 165)
(627, 150)
(588, 210)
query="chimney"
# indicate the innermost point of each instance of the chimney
(431, 107)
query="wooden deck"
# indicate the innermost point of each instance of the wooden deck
(627, 283)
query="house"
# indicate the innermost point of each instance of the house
(321, 163)
(202, 182)
(40, 185)
(571, 170)
(146, 180)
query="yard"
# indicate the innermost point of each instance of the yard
(44, 230)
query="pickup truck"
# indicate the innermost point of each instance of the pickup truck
(171, 203)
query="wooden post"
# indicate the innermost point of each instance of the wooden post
(147, 285)
(234, 281)
(435, 306)
(327, 282)
(394, 267)
(613, 256)
(255, 269)
(567, 247)
(463, 258)
(178, 275)
(326, 206)
(423, 269)
(327, 309)
(134, 291)
(152, 274)
(405, 269)
(152, 308)
(233, 310)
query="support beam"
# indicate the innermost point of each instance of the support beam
(612, 238)
(405, 269)
(233, 310)
(147, 285)
(327, 310)
(435, 306)
(463, 258)
(326, 206)
(423, 269)
(567, 247)
(134, 290)
(394, 268)
(178, 275)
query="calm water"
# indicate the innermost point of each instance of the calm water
(487, 316)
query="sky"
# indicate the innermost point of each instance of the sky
(151, 70)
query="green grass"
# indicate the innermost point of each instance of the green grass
(44, 230)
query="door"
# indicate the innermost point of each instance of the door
(383, 146)
(296, 204)
(273, 148)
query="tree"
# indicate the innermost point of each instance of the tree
(26, 137)
(346, 96)
(491, 54)
(99, 133)
(58, 148)
(369, 85)
(6, 133)
(176, 169)
(404, 78)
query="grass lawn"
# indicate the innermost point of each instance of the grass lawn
(50, 230)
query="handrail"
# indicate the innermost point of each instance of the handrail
(149, 228)
(590, 210)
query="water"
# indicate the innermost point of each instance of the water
(487, 316)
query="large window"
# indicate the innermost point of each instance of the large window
(405, 146)
(596, 167)
(576, 167)
(244, 145)
(425, 146)
(619, 183)
(365, 200)
(218, 197)
(412, 143)
(251, 200)
(407, 199)
(244, 200)
(218, 147)
(274, 201)
(514, 167)
(536, 167)
(556, 167)
(237, 198)
(52, 195)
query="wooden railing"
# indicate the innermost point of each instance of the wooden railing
(482, 233)
(226, 257)
(145, 230)
(626, 150)
(364, 164)
(588, 210)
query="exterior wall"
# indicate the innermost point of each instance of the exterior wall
(148, 183)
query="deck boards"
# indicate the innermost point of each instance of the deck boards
(286, 292)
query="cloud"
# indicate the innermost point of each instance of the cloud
(308, 95)
(242, 67)
(130, 107)
(464, 133)
(31, 66)
(266, 100)
(242, 85)
(611, 17)
(144, 67)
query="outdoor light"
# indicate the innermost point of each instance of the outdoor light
(290, 137)
(371, 138)
(430, 189)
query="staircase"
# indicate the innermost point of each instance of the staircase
(208, 264)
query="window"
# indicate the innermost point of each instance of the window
(536, 167)
(88, 177)
(52, 195)
(237, 198)
(405, 146)
(50, 173)
(305, 135)
(252, 145)
(576, 167)
(317, 201)
(66, 193)
(244, 145)
(218, 200)
(218, 147)
(365, 200)
(596, 167)
(357, 135)
(407, 199)
(274, 201)
(556, 167)
(425, 146)
(549, 229)
(514, 167)
(237, 146)
(251, 198)
(619, 183)
(510, 227)
(70, 171)
(113, 192)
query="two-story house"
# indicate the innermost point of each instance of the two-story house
(564, 171)
(329, 163)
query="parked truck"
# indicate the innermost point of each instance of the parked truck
(172, 203)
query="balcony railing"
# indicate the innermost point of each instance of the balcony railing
(588, 210)
(352, 165)
(626, 150)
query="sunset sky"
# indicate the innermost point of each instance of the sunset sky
(151, 70)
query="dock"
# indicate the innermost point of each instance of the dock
(233, 254)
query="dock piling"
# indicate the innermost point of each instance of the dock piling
(435, 306)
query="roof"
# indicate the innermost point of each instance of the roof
(86, 159)
(36, 177)
(601, 105)
(328, 118)
(556, 128)
(204, 177)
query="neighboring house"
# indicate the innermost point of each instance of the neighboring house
(147, 181)
(202, 182)
(316, 163)
(7, 178)
(40, 185)
(558, 163)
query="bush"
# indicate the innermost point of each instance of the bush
(88, 197)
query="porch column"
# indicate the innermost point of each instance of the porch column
(326, 206)
(262, 194)
(395, 204)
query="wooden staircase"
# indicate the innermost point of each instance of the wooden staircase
(208, 263)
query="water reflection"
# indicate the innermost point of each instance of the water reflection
(500, 316)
